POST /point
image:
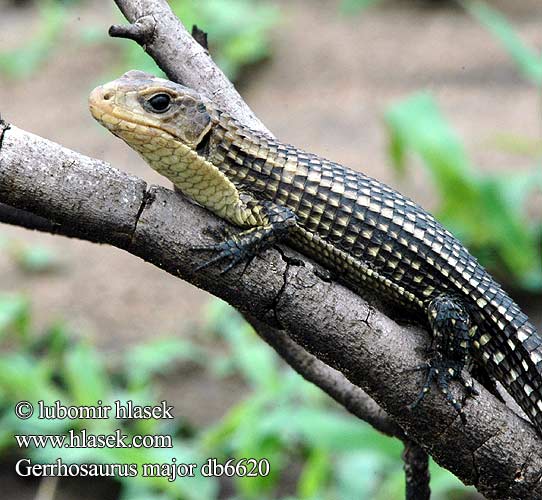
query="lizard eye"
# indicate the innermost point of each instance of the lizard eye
(160, 102)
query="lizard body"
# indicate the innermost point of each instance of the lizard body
(368, 234)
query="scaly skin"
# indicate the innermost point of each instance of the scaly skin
(369, 235)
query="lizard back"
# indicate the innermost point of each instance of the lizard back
(371, 234)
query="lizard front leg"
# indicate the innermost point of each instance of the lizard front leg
(270, 223)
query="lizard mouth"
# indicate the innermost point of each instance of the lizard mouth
(116, 119)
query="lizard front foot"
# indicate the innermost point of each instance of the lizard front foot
(247, 244)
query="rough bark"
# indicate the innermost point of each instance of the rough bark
(416, 472)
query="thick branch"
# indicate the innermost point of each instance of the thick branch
(186, 60)
(312, 369)
(496, 450)
(167, 50)
(355, 400)
(175, 52)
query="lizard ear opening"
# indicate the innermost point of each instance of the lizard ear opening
(202, 148)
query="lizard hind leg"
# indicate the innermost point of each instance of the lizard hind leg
(451, 327)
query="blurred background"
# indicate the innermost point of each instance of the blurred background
(440, 99)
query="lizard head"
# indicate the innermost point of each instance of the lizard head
(139, 108)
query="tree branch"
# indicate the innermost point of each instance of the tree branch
(185, 59)
(416, 472)
(28, 220)
(496, 450)
(331, 381)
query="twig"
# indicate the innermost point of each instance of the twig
(142, 31)
(416, 472)
(184, 61)
(201, 37)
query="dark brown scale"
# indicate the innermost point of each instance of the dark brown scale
(411, 258)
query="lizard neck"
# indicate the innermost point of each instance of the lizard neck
(251, 160)
(195, 176)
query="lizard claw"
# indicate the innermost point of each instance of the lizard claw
(229, 249)
(441, 373)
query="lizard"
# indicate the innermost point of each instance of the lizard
(368, 234)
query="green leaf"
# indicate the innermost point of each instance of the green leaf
(85, 376)
(54, 343)
(315, 474)
(417, 124)
(14, 315)
(16, 369)
(517, 245)
(529, 61)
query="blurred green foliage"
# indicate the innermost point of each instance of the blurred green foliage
(487, 211)
(356, 6)
(528, 60)
(49, 367)
(282, 417)
(25, 60)
(239, 30)
(30, 258)
(239, 35)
